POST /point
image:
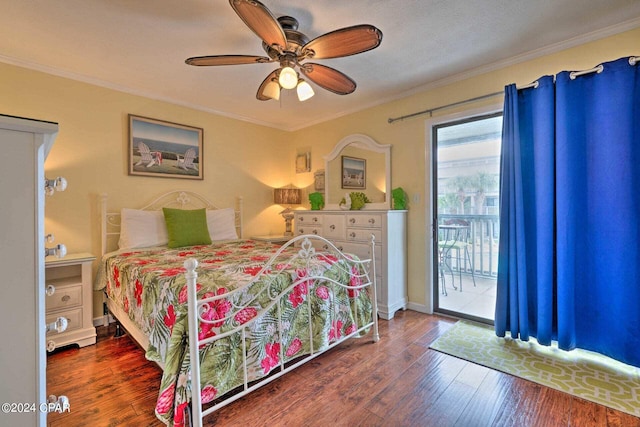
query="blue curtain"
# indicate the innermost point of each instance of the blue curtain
(569, 260)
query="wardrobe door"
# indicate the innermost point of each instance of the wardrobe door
(24, 145)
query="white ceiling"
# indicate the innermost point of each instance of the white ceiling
(139, 46)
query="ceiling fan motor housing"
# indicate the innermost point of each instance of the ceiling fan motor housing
(295, 39)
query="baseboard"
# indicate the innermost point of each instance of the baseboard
(420, 308)
(99, 321)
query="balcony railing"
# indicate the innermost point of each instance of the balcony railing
(483, 240)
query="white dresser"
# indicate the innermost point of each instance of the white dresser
(351, 232)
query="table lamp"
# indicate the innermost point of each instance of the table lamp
(287, 197)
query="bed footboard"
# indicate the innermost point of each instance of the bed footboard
(319, 281)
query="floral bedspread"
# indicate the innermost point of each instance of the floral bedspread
(151, 287)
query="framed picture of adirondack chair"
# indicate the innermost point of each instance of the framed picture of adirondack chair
(164, 149)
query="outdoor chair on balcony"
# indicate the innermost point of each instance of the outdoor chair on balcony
(453, 244)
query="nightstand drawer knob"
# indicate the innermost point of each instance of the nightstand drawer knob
(372, 221)
(66, 298)
(301, 231)
(353, 234)
(315, 231)
(51, 345)
(50, 290)
(315, 219)
(352, 220)
(301, 219)
(325, 247)
(60, 325)
(332, 227)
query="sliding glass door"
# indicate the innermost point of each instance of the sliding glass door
(466, 171)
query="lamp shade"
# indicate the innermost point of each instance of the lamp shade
(287, 196)
(288, 78)
(272, 90)
(305, 91)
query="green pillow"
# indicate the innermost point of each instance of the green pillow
(186, 227)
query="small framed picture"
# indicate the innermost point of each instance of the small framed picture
(318, 181)
(354, 173)
(164, 149)
(303, 163)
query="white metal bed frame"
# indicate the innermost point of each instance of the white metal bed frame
(306, 252)
(110, 229)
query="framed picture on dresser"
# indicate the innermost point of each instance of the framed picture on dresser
(354, 173)
(164, 149)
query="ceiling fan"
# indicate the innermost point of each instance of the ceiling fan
(283, 43)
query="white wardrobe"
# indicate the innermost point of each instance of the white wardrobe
(24, 144)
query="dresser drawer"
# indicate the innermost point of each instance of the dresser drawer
(333, 227)
(364, 234)
(74, 319)
(308, 219)
(68, 296)
(364, 220)
(309, 229)
(363, 251)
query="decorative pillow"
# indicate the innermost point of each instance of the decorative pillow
(142, 229)
(222, 224)
(186, 227)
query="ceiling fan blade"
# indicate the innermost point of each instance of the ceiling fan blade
(227, 60)
(260, 94)
(344, 42)
(261, 21)
(329, 78)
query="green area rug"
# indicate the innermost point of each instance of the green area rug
(581, 373)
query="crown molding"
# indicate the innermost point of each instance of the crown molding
(537, 53)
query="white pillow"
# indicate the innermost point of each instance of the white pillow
(222, 224)
(142, 229)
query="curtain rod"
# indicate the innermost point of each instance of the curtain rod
(477, 98)
(431, 110)
(633, 60)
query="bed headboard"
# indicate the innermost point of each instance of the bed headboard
(181, 199)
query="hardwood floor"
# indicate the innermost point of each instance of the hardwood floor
(398, 381)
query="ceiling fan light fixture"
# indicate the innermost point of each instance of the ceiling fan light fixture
(305, 91)
(284, 44)
(272, 90)
(288, 78)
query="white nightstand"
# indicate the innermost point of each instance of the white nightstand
(273, 239)
(70, 297)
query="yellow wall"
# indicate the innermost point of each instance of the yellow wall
(245, 159)
(411, 146)
(240, 159)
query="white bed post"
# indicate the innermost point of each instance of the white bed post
(376, 335)
(103, 223)
(103, 250)
(196, 402)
